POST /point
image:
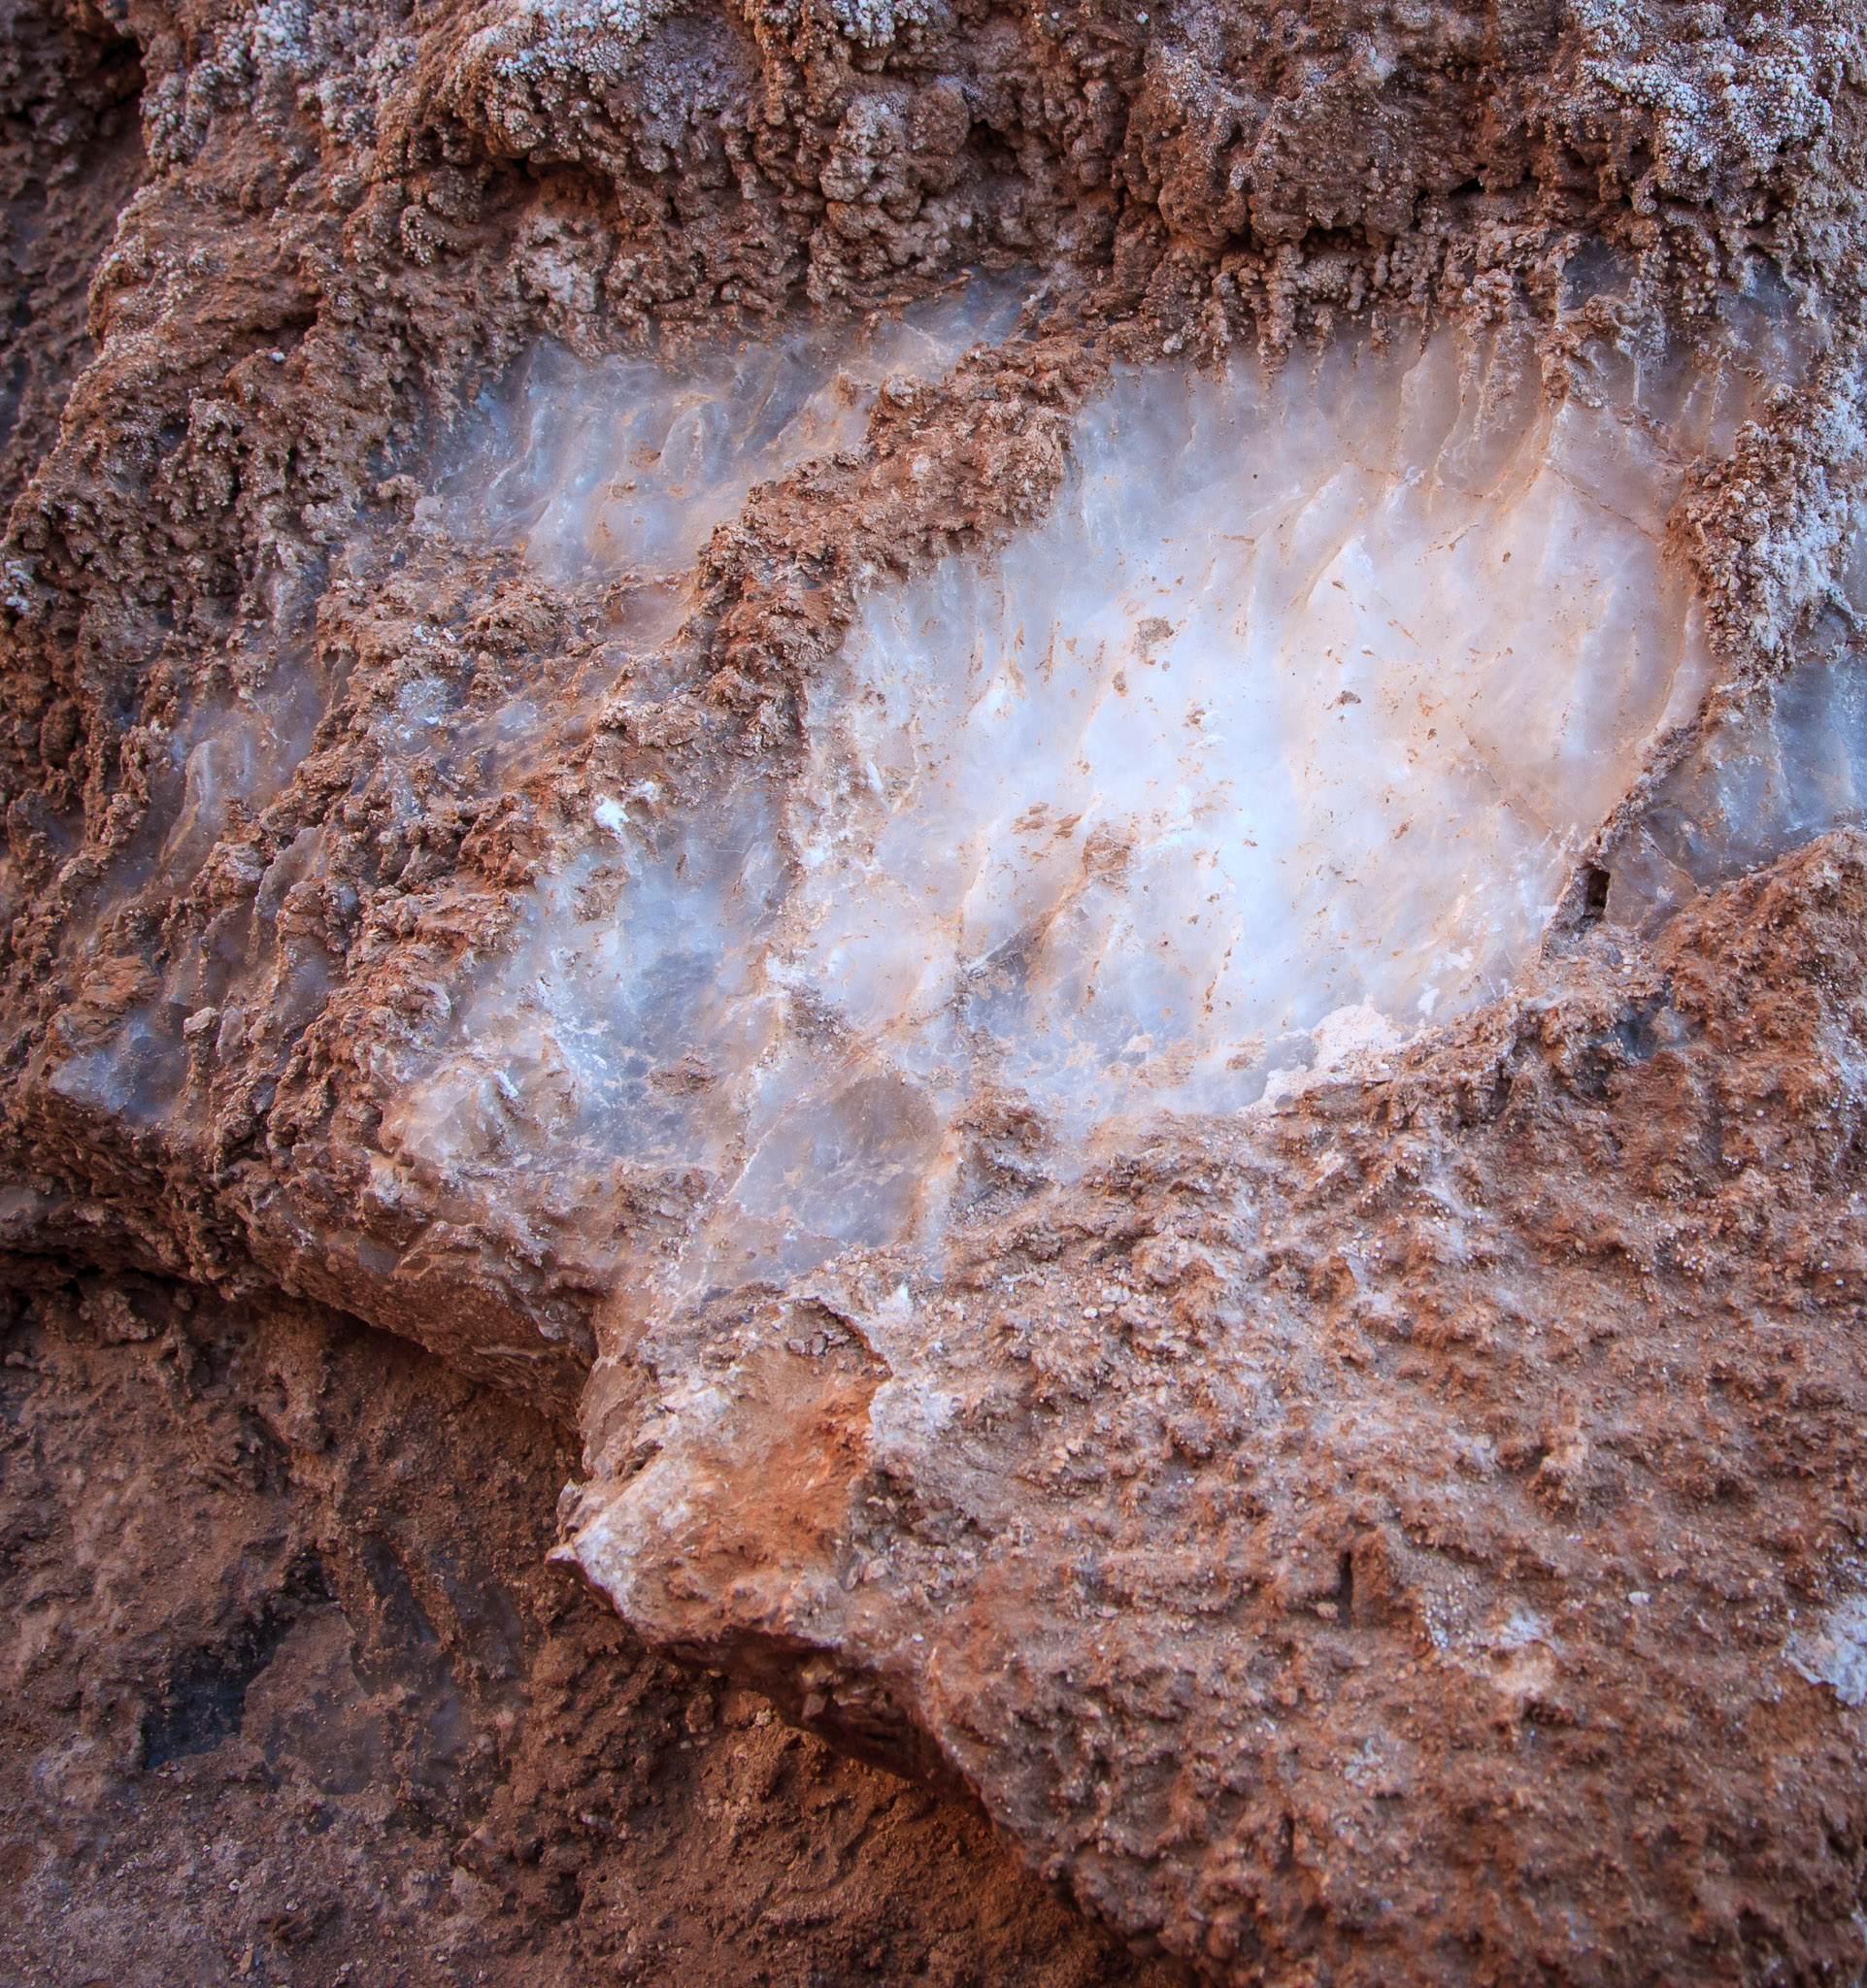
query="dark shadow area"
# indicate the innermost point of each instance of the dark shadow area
(71, 155)
(333, 1718)
(205, 1699)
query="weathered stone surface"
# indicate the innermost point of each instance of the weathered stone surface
(1378, 1540)
(281, 1707)
(1408, 1534)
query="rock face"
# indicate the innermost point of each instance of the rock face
(1367, 1522)
(1063, 804)
(279, 1708)
(70, 156)
(1132, 817)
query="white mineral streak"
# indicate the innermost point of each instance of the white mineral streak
(622, 470)
(619, 472)
(1834, 1651)
(1281, 738)
(1277, 742)
(234, 750)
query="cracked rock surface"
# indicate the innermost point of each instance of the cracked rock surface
(1406, 1529)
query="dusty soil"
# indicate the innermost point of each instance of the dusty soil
(1466, 1459)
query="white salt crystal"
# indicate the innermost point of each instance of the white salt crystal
(1275, 743)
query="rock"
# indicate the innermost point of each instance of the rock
(1359, 1486)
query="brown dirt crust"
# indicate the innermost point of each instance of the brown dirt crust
(1395, 1540)
(1411, 1537)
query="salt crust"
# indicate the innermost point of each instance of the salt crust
(623, 469)
(1279, 741)
(1282, 736)
(1782, 761)
(619, 472)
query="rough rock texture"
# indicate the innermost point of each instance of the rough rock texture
(210, 1005)
(1403, 1564)
(283, 1705)
(71, 155)
(1388, 1405)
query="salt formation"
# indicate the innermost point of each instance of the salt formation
(1781, 762)
(1277, 742)
(233, 752)
(620, 471)
(1283, 734)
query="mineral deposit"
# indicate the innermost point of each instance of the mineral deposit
(1062, 811)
